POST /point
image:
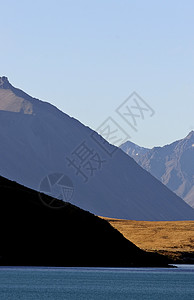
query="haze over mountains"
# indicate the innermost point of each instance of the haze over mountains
(172, 164)
(37, 140)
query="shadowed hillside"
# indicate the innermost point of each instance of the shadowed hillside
(34, 234)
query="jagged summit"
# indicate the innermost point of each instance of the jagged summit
(190, 135)
(172, 164)
(4, 83)
(12, 100)
(133, 150)
(15, 100)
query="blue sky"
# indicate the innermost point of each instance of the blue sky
(87, 57)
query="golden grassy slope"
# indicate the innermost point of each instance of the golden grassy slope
(173, 237)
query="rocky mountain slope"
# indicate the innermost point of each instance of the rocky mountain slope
(43, 148)
(172, 164)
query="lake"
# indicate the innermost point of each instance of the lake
(96, 283)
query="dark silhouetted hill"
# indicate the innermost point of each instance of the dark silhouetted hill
(34, 234)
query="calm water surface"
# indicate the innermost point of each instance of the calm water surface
(96, 283)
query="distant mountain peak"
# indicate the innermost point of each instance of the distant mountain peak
(4, 83)
(172, 164)
(190, 135)
(12, 99)
(133, 150)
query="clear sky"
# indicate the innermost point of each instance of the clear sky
(86, 57)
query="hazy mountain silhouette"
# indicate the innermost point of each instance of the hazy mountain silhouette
(133, 150)
(37, 140)
(172, 164)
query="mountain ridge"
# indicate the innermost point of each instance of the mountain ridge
(172, 165)
(46, 142)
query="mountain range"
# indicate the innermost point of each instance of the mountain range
(45, 149)
(172, 164)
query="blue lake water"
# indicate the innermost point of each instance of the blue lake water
(96, 283)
